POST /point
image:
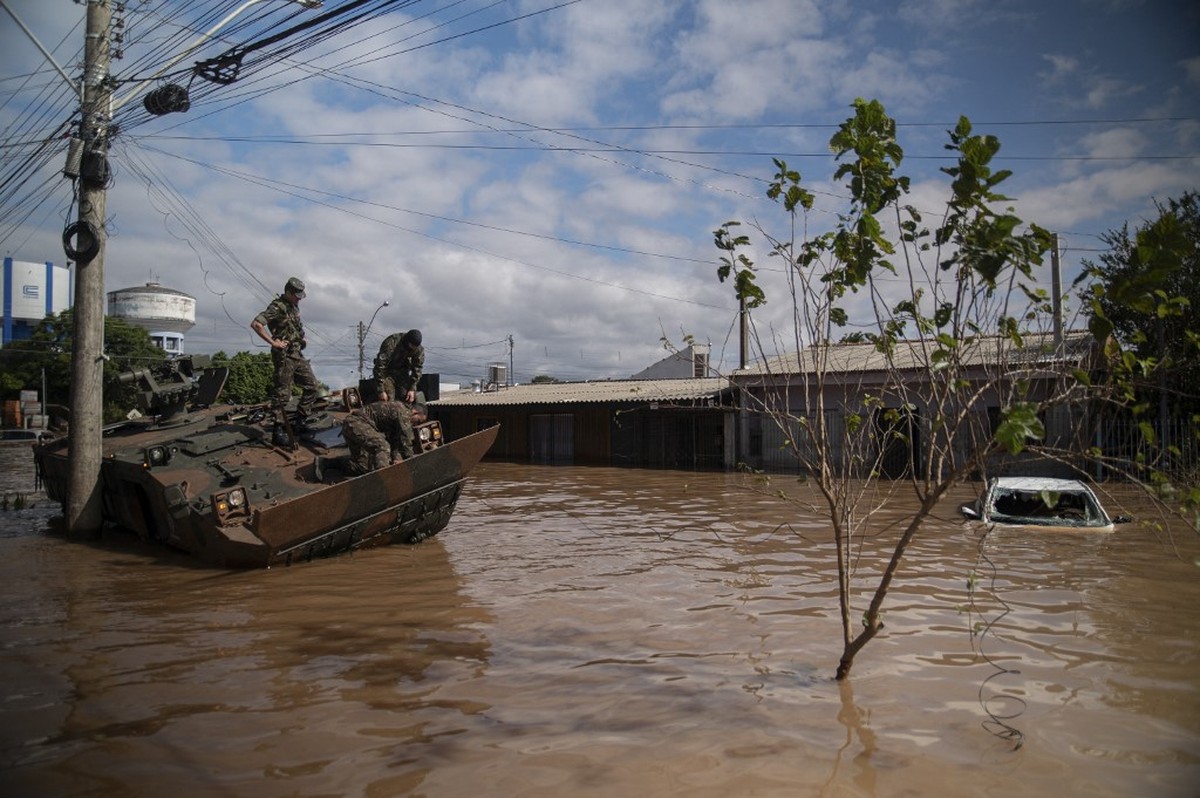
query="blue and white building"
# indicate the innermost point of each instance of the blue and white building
(29, 292)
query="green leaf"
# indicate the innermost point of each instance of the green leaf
(1019, 424)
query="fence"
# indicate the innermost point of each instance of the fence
(1173, 447)
(1170, 446)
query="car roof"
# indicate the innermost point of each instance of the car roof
(1041, 483)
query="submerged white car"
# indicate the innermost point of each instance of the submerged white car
(1066, 504)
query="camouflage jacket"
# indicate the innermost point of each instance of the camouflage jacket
(397, 363)
(282, 319)
(393, 419)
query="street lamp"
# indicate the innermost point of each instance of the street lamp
(362, 336)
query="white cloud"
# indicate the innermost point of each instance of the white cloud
(1114, 143)
(1103, 92)
(1061, 66)
(1191, 70)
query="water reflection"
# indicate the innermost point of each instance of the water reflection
(859, 744)
(599, 632)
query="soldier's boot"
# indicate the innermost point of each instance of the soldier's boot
(284, 436)
(280, 438)
(311, 423)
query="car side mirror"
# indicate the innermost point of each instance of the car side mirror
(1122, 519)
(969, 512)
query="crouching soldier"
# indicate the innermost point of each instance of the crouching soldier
(373, 432)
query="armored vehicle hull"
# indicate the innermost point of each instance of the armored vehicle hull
(214, 483)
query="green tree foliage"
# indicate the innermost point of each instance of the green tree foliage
(48, 352)
(1146, 291)
(250, 377)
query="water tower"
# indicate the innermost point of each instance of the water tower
(163, 312)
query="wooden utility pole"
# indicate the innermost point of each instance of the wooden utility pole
(83, 505)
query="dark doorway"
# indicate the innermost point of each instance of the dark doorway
(899, 433)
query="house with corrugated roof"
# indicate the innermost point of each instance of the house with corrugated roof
(667, 423)
(757, 415)
(782, 396)
(680, 421)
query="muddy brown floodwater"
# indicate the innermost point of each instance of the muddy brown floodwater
(597, 632)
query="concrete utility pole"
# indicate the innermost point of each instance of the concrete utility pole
(363, 331)
(743, 334)
(1056, 289)
(83, 506)
(362, 355)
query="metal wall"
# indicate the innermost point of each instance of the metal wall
(687, 438)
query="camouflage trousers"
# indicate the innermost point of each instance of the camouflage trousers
(369, 448)
(395, 390)
(289, 370)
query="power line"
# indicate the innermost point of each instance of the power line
(823, 155)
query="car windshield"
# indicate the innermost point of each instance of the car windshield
(1046, 507)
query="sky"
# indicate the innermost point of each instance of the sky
(536, 183)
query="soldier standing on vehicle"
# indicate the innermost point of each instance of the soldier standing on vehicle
(374, 432)
(280, 326)
(398, 366)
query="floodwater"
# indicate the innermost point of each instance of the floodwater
(597, 632)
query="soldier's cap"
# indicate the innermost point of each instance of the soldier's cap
(295, 286)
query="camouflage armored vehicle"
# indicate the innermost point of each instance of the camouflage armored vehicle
(212, 481)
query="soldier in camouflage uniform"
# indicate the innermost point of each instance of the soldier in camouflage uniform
(373, 432)
(398, 366)
(280, 326)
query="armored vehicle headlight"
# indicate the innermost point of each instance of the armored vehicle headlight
(156, 456)
(425, 433)
(231, 506)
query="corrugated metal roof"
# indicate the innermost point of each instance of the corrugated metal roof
(991, 350)
(600, 391)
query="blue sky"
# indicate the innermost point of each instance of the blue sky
(557, 178)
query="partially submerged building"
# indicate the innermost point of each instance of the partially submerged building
(671, 423)
(760, 416)
(856, 383)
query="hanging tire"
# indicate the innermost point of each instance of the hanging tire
(88, 242)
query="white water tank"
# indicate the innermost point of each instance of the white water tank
(163, 312)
